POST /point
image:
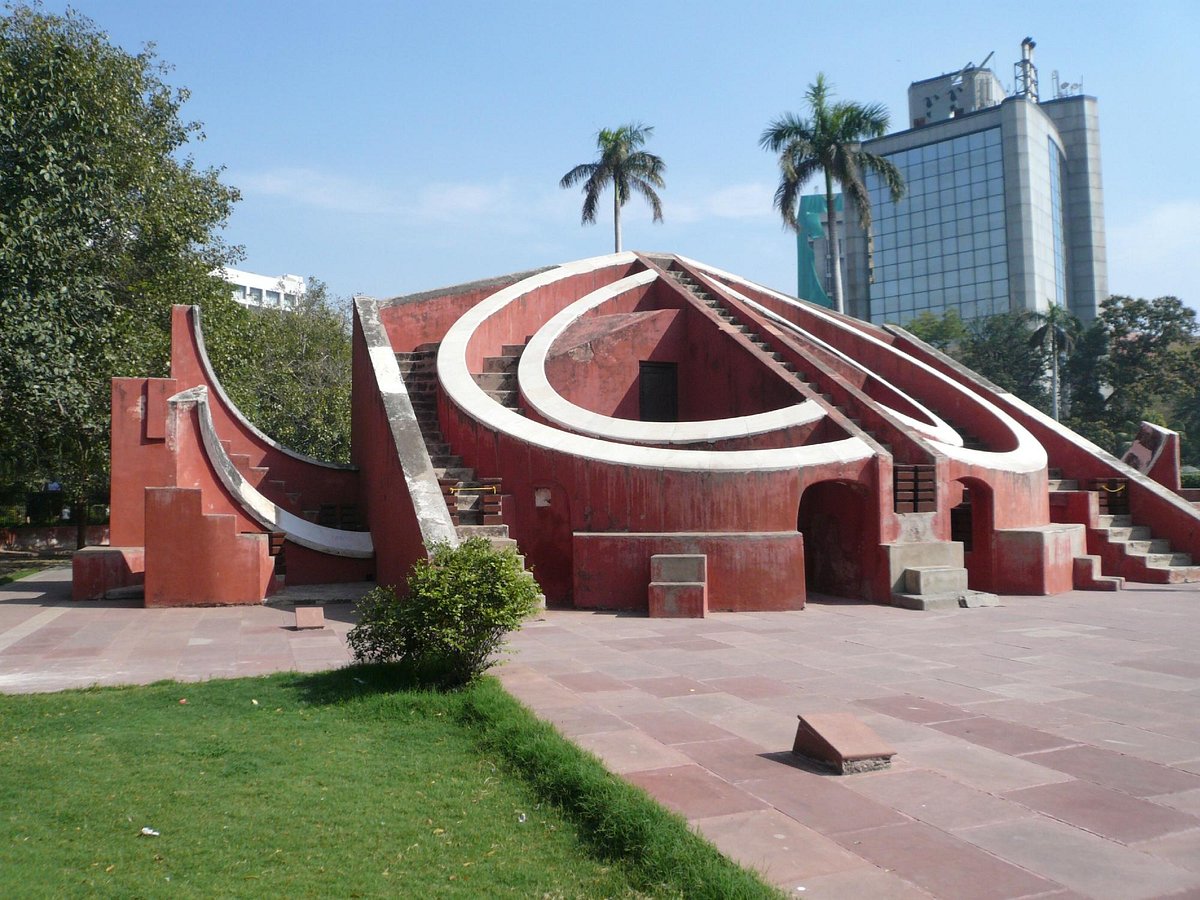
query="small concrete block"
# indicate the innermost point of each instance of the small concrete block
(934, 580)
(842, 742)
(678, 600)
(975, 599)
(310, 617)
(679, 567)
(926, 602)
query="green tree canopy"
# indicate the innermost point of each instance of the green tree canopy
(624, 166)
(103, 224)
(829, 142)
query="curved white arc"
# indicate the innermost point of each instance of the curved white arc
(1027, 456)
(232, 409)
(552, 406)
(462, 390)
(332, 541)
(939, 431)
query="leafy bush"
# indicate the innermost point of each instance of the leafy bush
(459, 604)
(1190, 479)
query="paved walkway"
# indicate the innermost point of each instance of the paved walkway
(1048, 748)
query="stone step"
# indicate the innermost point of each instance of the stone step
(949, 600)
(1141, 548)
(1064, 484)
(496, 381)
(1164, 560)
(1087, 575)
(512, 350)
(505, 398)
(487, 531)
(1115, 521)
(934, 580)
(501, 363)
(452, 473)
(1123, 533)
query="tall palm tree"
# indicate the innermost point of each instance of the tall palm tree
(1058, 330)
(829, 142)
(623, 165)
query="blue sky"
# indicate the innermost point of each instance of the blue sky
(395, 147)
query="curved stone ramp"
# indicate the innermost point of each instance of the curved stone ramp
(547, 402)
(1025, 455)
(271, 516)
(602, 445)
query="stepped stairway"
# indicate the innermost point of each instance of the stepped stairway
(343, 516)
(475, 504)
(1122, 550)
(940, 584)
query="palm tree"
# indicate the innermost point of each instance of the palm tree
(1059, 328)
(625, 167)
(829, 142)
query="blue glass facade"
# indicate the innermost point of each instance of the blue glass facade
(944, 244)
(1057, 222)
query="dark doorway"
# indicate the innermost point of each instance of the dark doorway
(658, 392)
(834, 518)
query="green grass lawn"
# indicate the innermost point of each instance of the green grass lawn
(342, 784)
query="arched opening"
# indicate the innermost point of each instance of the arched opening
(971, 524)
(835, 519)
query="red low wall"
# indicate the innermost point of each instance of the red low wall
(746, 571)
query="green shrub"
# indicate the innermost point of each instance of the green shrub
(1190, 479)
(459, 604)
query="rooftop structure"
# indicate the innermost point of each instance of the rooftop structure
(265, 291)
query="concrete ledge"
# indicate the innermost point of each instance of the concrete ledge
(934, 580)
(97, 570)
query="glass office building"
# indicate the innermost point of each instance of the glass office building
(1003, 208)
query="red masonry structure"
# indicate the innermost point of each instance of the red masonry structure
(610, 411)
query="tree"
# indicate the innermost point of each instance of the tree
(1056, 333)
(102, 226)
(624, 166)
(829, 142)
(947, 332)
(288, 371)
(999, 349)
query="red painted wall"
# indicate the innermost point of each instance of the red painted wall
(746, 571)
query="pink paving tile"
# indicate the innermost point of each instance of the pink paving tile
(1179, 667)
(936, 799)
(676, 727)
(915, 709)
(694, 792)
(1139, 742)
(782, 850)
(733, 759)
(587, 682)
(575, 721)
(671, 686)
(819, 802)
(631, 750)
(865, 883)
(1182, 850)
(752, 687)
(1124, 773)
(1083, 862)
(978, 766)
(1107, 813)
(942, 864)
(1005, 737)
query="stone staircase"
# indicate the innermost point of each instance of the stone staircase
(499, 377)
(343, 516)
(1120, 549)
(940, 587)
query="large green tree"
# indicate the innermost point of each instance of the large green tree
(288, 371)
(103, 224)
(829, 142)
(625, 167)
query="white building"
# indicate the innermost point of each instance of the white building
(265, 291)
